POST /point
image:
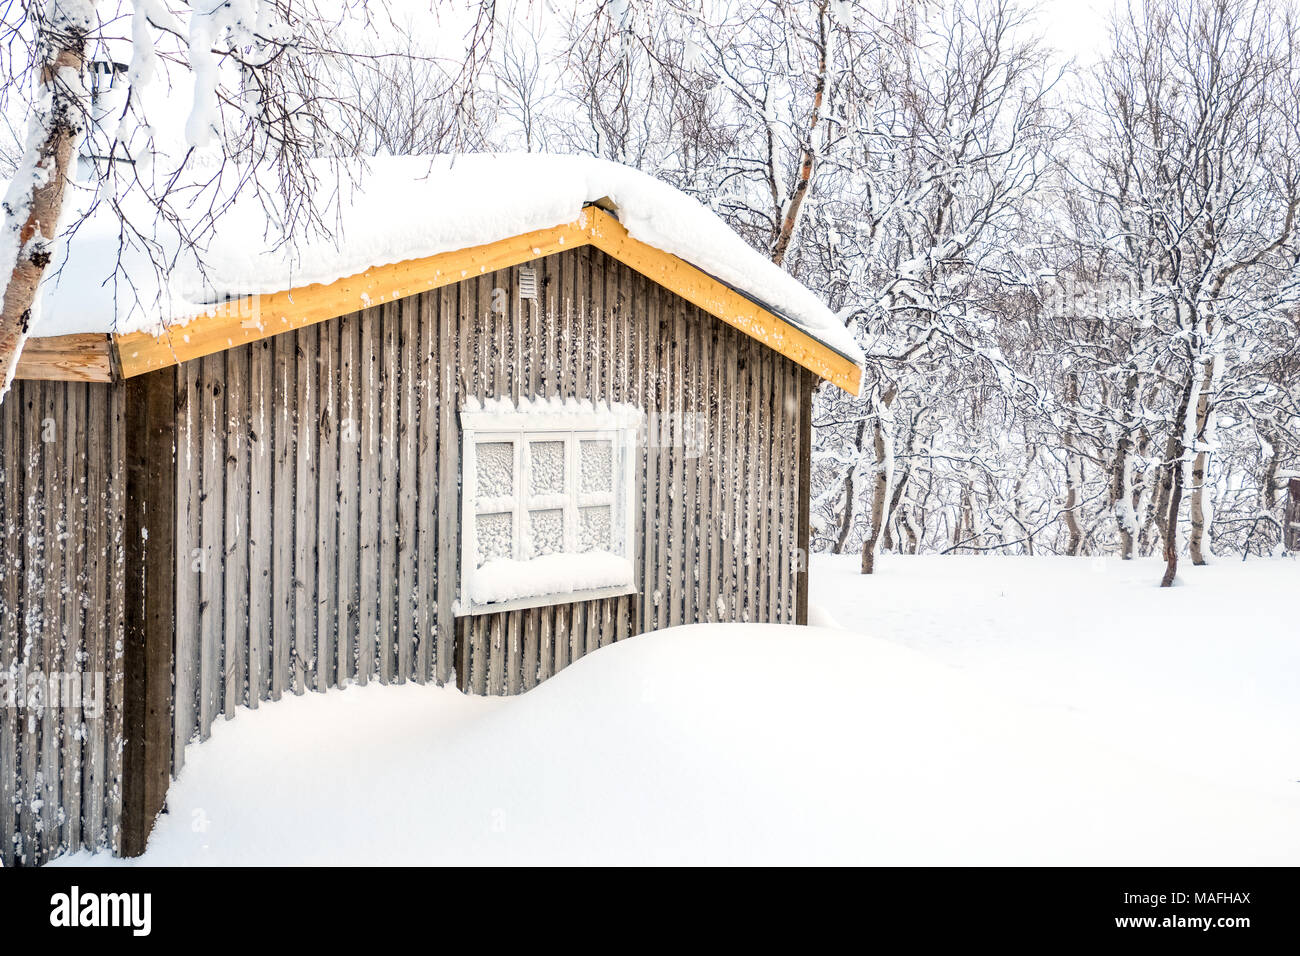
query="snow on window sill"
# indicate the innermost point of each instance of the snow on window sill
(506, 584)
(547, 414)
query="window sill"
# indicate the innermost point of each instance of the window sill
(544, 600)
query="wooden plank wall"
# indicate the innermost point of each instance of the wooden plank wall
(150, 587)
(306, 516)
(718, 527)
(318, 486)
(61, 612)
(317, 508)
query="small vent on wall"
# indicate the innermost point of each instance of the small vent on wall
(527, 283)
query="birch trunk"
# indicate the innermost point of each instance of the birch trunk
(1200, 466)
(1121, 475)
(793, 205)
(1175, 470)
(908, 526)
(1159, 507)
(846, 523)
(35, 198)
(890, 539)
(900, 484)
(1269, 486)
(975, 538)
(1018, 503)
(1073, 474)
(882, 486)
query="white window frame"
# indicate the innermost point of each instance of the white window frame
(545, 420)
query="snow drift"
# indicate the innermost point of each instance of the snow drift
(704, 744)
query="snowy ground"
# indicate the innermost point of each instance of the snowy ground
(1202, 678)
(982, 710)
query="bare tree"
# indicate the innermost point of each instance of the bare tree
(269, 96)
(55, 58)
(1076, 309)
(524, 93)
(947, 131)
(1197, 173)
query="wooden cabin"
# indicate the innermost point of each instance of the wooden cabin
(475, 466)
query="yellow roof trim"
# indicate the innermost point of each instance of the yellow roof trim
(82, 357)
(257, 317)
(701, 289)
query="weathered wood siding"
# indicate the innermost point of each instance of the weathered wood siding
(319, 479)
(61, 613)
(307, 510)
(717, 478)
(316, 518)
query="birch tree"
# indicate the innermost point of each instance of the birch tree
(268, 95)
(54, 59)
(1199, 176)
(1073, 288)
(947, 143)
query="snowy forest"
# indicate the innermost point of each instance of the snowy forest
(1076, 286)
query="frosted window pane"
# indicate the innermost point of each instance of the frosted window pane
(594, 527)
(496, 469)
(597, 466)
(495, 532)
(547, 475)
(547, 529)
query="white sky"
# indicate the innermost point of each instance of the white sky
(1075, 27)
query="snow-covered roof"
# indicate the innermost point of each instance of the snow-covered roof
(385, 210)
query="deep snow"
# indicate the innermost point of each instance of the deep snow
(1203, 678)
(1039, 716)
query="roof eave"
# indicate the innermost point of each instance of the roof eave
(254, 317)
